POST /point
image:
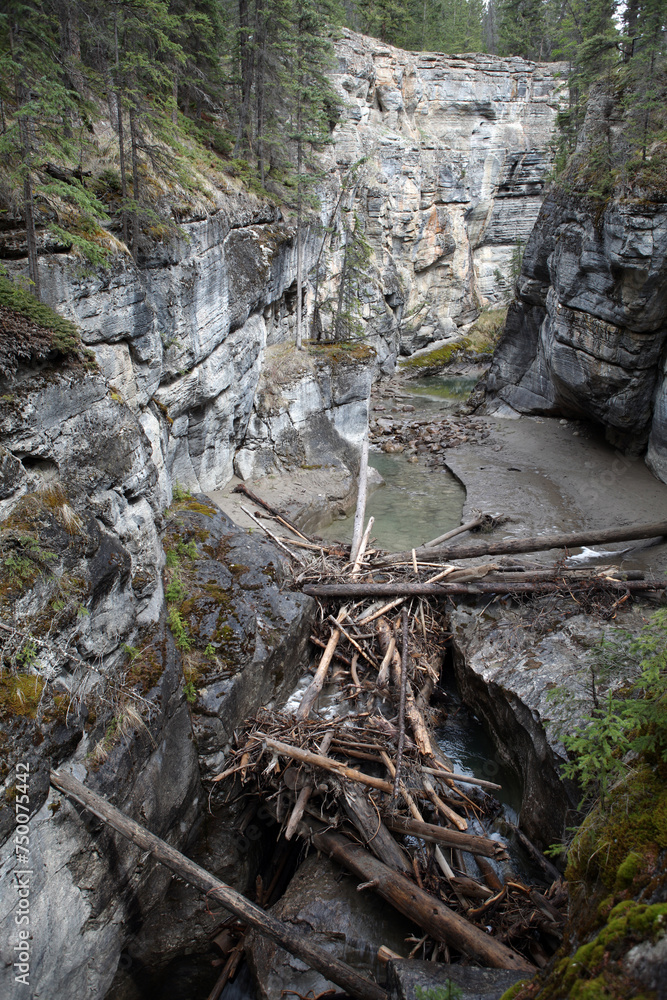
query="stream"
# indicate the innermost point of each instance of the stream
(414, 504)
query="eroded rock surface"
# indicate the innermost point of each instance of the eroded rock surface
(587, 335)
(322, 902)
(511, 663)
(409, 980)
(94, 680)
(457, 150)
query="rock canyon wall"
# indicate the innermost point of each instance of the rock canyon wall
(453, 152)
(189, 385)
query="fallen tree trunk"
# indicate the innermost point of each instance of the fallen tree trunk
(374, 832)
(361, 502)
(483, 846)
(306, 792)
(419, 730)
(429, 913)
(401, 589)
(317, 760)
(312, 691)
(242, 488)
(462, 528)
(538, 543)
(296, 943)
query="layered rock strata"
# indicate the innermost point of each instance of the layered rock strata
(443, 158)
(93, 680)
(587, 336)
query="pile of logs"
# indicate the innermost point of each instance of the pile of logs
(352, 767)
(370, 787)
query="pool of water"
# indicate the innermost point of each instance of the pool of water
(455, 388)
(414, 505)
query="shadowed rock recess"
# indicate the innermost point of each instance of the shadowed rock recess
(587, 335)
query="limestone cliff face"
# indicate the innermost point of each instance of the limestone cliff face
(587, 334)
(457, 148)
(454, 151)
(189, 386)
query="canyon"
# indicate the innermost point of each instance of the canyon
(192, 380)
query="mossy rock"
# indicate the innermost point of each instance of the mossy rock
(634, 820)
(20, 694)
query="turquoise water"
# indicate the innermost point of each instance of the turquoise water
(453, 387)
(415, 504)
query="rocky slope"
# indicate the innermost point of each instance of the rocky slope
(454, 152)
(586, 336)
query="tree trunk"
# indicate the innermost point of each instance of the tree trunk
(429, 913)
(25, 130)
(360, 511)
(538, 543)
(121, 137)
(398, 589)
(260, 34)
(246, 56)
(134, 139)
(299, 257)
(295, 942)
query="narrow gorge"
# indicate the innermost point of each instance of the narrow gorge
(148, 623)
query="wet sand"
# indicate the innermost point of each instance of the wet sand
(549, 475)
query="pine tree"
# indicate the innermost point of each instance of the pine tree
(313, 105)
(525, 28)
(38, 108)
(645, 31)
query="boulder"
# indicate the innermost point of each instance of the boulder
(467, 982)
(322, 901)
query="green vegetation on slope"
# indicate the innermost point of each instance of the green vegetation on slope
(477, 344)
(616, 863)
(30, 330)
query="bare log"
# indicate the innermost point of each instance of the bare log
(425, 910)
(373, 831)
(317, 683)
(419, 730)
(453, 817)
(317, 760)
(414, 810)
(305, 793)
(453, 533)
(539, 543)
(490, 876)
(361, 502)
(296, 943)
(362, 548)
(242, 488)
(271, 535)
(464, 778)
(483, 846)
(401, 705)
(401, 589)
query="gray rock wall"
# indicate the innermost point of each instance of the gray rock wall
(587, 336)
(457, 148)
(454, 151)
